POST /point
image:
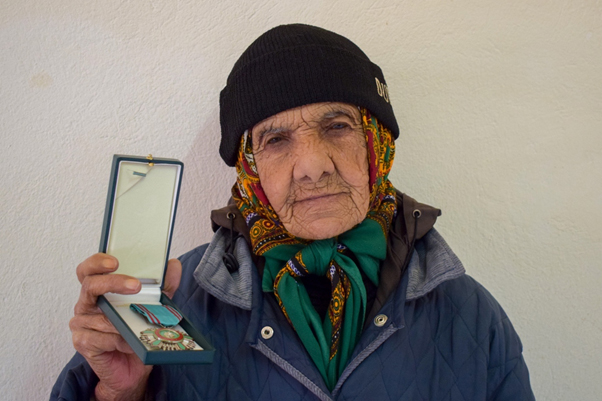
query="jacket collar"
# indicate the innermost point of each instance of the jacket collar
(412, 221)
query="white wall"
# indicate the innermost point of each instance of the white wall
(498, 102)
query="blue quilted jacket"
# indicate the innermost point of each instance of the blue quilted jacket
(439, 335)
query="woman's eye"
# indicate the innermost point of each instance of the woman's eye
(274, 140)
(339, 126)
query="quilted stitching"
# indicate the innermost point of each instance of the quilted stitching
(442, 354)
(445, 355)
(457, 344)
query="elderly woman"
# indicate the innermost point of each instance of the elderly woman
(335, 286)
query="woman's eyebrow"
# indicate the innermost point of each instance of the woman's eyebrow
(270, 130)
(338, 113)
(329, 115)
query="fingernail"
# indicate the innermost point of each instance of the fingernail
(132, 284)
(108, 263)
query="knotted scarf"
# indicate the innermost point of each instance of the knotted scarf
(342, 260)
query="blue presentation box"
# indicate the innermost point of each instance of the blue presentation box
(137, 229)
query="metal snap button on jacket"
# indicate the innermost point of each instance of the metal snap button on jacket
(267, 332)
(380, 320)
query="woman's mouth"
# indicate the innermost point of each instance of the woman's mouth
(318, 197)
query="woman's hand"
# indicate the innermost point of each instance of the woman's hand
(122, 375)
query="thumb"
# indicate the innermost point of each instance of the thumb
(172, 277)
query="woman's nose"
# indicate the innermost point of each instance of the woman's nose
(313, 161)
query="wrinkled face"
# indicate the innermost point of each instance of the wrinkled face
(313, 166)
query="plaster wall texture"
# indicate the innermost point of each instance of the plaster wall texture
(499, 109)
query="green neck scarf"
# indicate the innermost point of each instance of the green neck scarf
(329, 342)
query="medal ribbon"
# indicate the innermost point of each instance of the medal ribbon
(162, 315)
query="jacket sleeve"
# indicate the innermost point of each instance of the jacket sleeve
(507, 374)
(77, 381)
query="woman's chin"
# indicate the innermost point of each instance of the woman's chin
(326, 217)
(323, 228)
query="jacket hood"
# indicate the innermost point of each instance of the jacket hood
(411, 238)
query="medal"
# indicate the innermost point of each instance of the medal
(167, 339)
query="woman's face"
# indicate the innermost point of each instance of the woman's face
(313, 166)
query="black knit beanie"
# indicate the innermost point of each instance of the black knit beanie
(294, 65)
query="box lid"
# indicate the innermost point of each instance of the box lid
(140, 213)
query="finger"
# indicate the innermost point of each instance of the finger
(92, 343)
(172, 277)
(97, 322)
(96, 285)
(99, 263)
